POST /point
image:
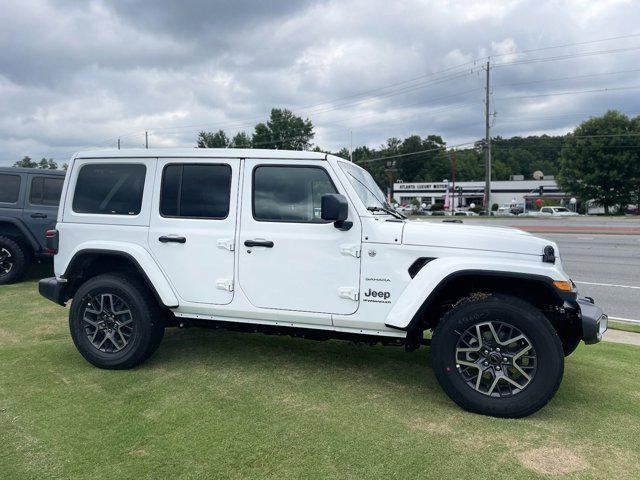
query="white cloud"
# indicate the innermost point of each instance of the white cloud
(79, 75)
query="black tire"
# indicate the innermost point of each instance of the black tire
(546, 366)
(13, 261)
(147, 324)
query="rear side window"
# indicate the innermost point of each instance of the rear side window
(196, 191)
(45, 191)
(290, 194)
(114, 189)
(9, 188)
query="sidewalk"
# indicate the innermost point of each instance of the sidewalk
(619, 336)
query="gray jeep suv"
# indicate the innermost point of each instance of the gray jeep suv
(29, 200)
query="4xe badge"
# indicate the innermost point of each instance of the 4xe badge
(379, 296)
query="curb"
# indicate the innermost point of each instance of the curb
(586, 230)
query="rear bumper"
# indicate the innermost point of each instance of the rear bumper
(52, 289)
(594, 321)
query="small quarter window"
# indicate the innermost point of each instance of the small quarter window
(45, 191)
(9, 188)
(290, 194)
(109, 188)
(196, 191)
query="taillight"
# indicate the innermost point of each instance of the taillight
(52, 241)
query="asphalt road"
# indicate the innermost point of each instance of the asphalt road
(605, 267)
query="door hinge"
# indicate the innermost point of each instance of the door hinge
(349, 292)
(224, 284)
(226, 243)
(353, 250)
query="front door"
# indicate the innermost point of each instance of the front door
(290, 259)
(193, 225)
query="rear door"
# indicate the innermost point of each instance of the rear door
(41, 204)
(290, 259)
(193, 227)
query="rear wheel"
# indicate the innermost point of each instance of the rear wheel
(13, 261)
(497, 356)
(115, 322)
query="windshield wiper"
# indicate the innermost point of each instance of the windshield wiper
(383, 208)
(395, 213)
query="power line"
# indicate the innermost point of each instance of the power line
(565, 57)
(573, 77)
(444, 147)
(575, 92)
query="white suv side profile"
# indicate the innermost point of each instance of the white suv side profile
(305, 244)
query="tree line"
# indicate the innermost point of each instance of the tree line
(599, 160)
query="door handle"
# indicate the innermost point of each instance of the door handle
(258, 243)
(172, 239)
(38, 215)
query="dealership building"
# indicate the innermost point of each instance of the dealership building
(463, 194)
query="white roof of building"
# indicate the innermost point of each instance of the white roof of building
(201, 152)
(495, 185)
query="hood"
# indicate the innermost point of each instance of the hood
(457, 235)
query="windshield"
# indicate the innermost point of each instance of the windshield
(364, 185)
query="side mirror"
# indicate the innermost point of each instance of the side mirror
(335, 208)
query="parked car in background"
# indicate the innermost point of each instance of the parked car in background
(28, 208)
(503, 212)
(557, 212)
(406, 209)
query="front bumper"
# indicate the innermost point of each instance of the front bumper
(52, 289)
(594, 320)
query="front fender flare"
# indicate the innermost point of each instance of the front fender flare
(436, 273)
(139, 256)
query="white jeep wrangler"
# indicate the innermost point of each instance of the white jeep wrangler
(304, 244)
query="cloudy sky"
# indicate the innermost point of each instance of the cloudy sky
(77, 75)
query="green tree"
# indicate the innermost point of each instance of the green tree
(26, 162)
(47, 164)
(240, 140)
(218, 139)
(596, 162)
(283, 131)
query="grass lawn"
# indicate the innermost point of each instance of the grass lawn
(214, 404)
(627, 327)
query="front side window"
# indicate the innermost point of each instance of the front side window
(365, 186)
(290, 194)
(109, 188)
(45, 191)
(196, 191)
(9, 188)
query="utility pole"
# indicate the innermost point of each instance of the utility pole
(453, 180)
(146, 139)
(351, 146)
(487, 146)
(118, 144)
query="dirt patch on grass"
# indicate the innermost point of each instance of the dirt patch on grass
(421, 425)
(8, 337)
(552, 461)
(302, 405)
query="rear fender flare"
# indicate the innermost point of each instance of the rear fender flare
(28, 236)
(139, 257)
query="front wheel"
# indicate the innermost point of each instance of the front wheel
(115, 322)
(497, 356)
